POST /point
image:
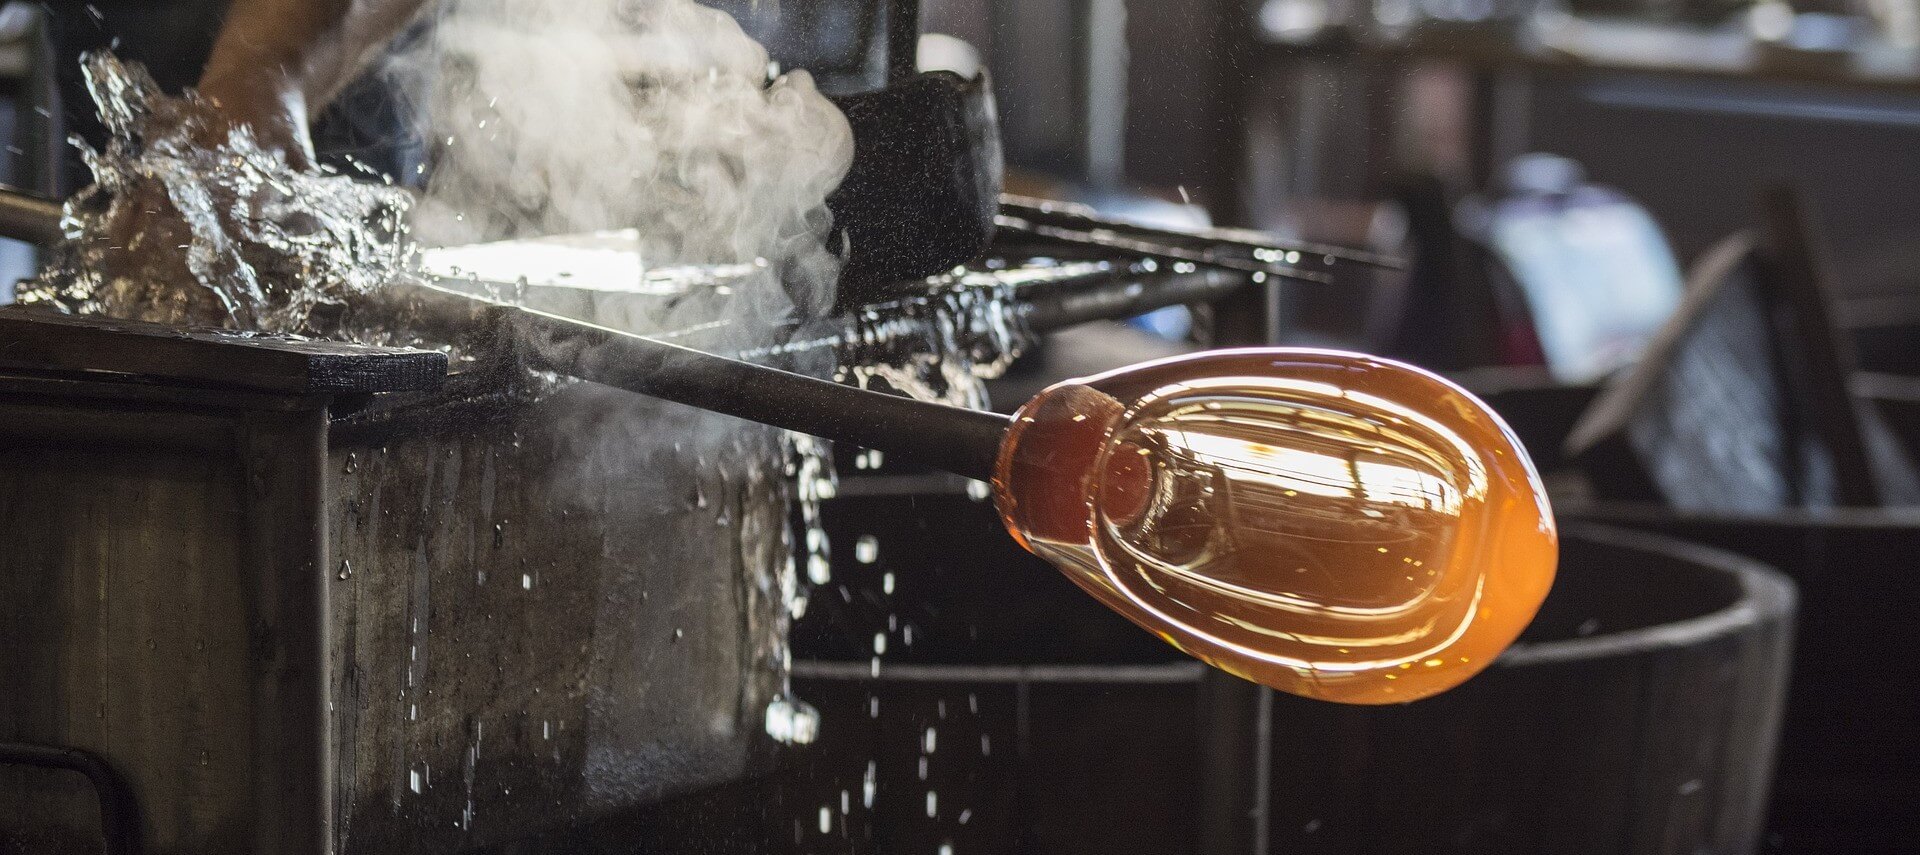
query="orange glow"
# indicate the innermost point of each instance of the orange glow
(1332, 525)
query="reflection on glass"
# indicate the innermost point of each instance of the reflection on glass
(1331, 525)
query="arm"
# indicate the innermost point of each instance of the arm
(278, 62)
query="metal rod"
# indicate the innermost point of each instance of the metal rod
(1054, 307)
(30, 218)
(961, 441)
(1080, 218)
(1151, 249)
(1052, 304)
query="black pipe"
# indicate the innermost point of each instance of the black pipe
(1058, 305)
(24, 216)
(119, 809)
(1116, 242)
(953, 439)
(1079, 219)
(961, 441)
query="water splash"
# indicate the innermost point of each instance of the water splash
(192, 222)
(938, 347)
(791, 721)
(941, 344)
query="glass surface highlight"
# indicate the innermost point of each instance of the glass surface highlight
(1335, 526)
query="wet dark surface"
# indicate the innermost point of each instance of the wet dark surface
(555, 612)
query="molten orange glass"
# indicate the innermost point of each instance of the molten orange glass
(1335, 526)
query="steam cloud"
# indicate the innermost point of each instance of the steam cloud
(552, 117)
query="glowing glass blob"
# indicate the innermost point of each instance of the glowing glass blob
(1335, 526)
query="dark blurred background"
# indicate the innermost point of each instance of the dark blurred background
(1344, 120)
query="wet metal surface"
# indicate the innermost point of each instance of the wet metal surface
(549, 613)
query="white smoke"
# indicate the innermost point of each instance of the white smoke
(565, 116)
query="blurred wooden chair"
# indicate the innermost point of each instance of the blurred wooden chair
(1744, 401)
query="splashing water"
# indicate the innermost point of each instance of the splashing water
(940, 345)
(191, 222)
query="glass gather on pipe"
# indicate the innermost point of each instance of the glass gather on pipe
(1335, 526)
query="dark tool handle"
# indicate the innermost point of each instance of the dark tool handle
(30, 218)
(119, 809)
(964, 442)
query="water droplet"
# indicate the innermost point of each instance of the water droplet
(791, 722)
(867, 549)
(346, 570)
